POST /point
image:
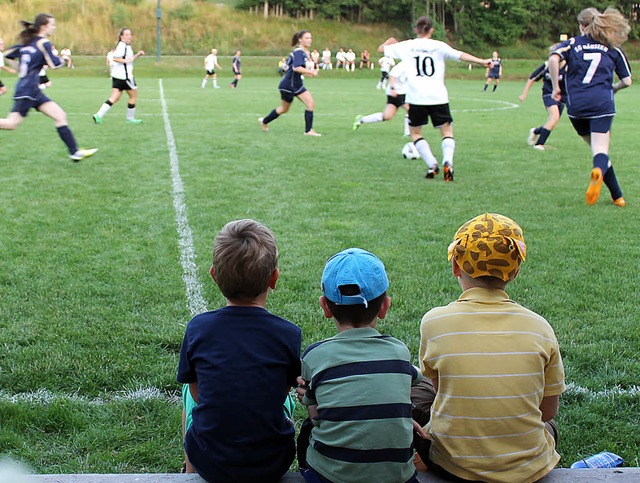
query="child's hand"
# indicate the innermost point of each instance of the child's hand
(301, 390)
(418, 429)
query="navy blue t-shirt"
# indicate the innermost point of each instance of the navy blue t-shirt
(244, 360)
(542, 72)
(32, 58)
(292, 81)
(589, 78)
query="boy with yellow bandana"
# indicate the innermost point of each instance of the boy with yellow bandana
(496, 367)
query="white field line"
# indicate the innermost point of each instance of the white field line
(141, 394)
(195, 300)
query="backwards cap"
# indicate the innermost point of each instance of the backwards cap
(489, 244)
(354, 266)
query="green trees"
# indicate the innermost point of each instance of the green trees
(468, 22)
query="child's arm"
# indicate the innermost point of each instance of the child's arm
(193, 389)
(549, 407)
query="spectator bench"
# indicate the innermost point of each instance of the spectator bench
(559, 475)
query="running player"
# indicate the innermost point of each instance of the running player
(396, 91)
(210, 66)
(538, 135)
(592, 58)
(385, 63)
(122, 78)
(427, 95)
(291, 85)
(236, 66)
(33, 52)
(494, 72)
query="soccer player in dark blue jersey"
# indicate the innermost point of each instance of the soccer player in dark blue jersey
(33, 52)
(538, 135)
(494, 72)
(236, 67)
(592, 58)
(291, 85)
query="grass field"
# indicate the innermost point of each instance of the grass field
(104, 262)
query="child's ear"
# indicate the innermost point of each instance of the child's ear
(212, 273)
(455, 267)
(325, 307)
(273, 279)
(384, 308)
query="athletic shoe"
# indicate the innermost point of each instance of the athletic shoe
(620, 202)
(81, 154)
(97, 119)
(134, 121)
(264, 127)
(531, 139)
(448, 172)
(216, 87)
(356, 123)
(431, 173)
(312, 133)
(593, 192)
(539, 147)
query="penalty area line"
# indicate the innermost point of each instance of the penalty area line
(195, 300)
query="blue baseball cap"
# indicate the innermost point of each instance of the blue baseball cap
(354, 266)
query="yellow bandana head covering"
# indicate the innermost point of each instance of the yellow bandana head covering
(489, 244)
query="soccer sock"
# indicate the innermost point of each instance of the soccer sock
(485, 87)
(537, 131)
(215, 82)
(204, 82)
(544, 134)
(612, 183)
(67, 137)
(272, 116)
(375, 117)
(104, 108)
(425, 152)
(448, 148)
(406, 125)
(601, 160)
(308, 120)
(131, 111)
(495, 87)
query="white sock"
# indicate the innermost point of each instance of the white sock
(406, 125)
(104, 108)
(215, 82)
(370, 118)
(204, 82)
(448, 147)
(425, 152)
(131, 113)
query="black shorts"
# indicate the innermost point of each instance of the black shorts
(124, 85)
(585, 126)
(439, 114)
(1, 84)
(211, 72)
(397, 101)
(288, 96)
(43, 79)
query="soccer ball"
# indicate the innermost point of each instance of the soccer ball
(409, 151)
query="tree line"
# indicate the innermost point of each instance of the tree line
(466, 22)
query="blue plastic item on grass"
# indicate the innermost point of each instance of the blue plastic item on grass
(599, 460)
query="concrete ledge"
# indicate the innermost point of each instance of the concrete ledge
(559, 475)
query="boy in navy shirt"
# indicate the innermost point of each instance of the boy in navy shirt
(238, 364)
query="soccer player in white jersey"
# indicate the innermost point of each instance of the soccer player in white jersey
(426, 94)
(385, 63)
(210, 66)
(122, 78)
(396, 91)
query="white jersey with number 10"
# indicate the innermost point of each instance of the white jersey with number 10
(425, 59)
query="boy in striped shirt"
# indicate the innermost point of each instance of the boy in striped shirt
(496, 366)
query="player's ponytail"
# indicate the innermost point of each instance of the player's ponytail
(423, 25)
(297, 36)
(30, 30)
(610, 28)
